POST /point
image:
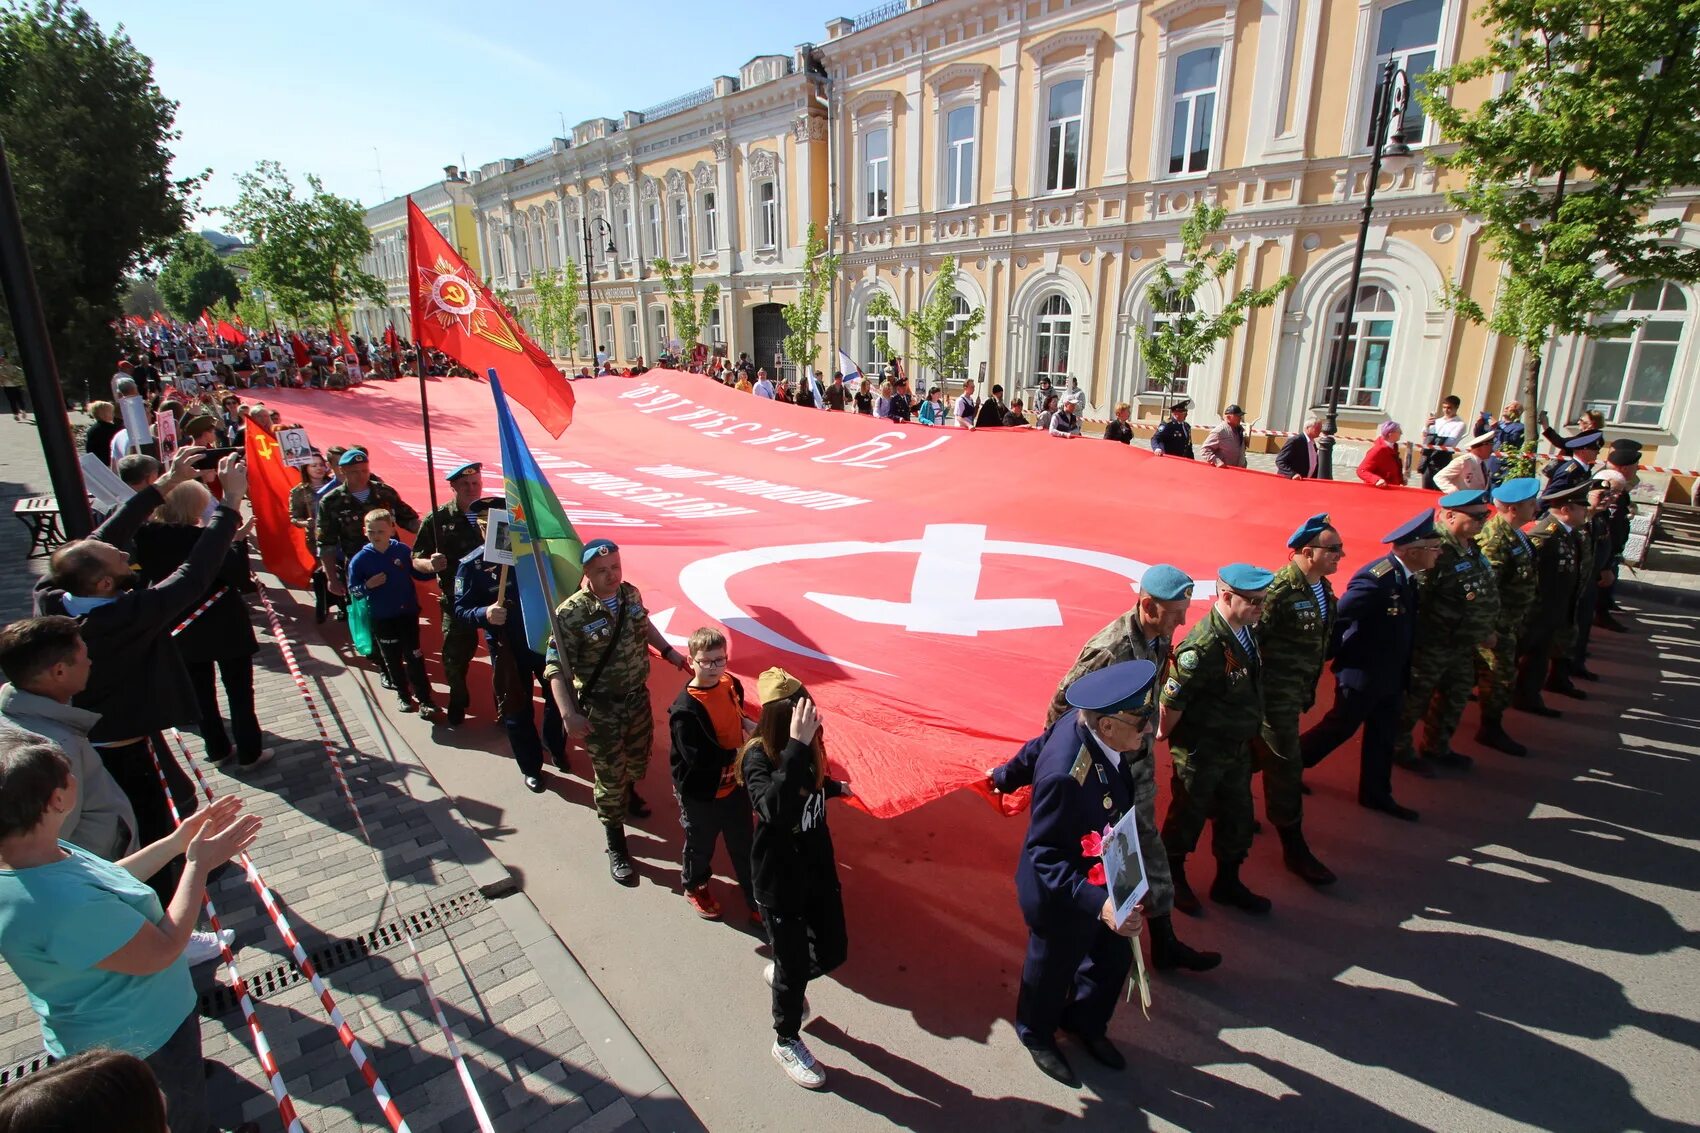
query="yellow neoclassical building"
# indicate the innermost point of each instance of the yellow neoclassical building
(447, 204)
(1054, 147)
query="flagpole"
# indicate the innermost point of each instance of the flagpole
(544, 579)
(424, 398)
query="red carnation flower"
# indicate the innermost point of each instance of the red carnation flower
(1092, 844)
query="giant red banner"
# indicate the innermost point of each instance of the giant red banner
(930, 586)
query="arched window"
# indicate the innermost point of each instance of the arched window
(652, 216)
(658, 330)
(710, 224)
(1052, 330)
(1368, 349)
(953, 326)
(1171, 310)
(871, 360)
(681, 229)
(767, 215)
(1628, 379)
(539, 245)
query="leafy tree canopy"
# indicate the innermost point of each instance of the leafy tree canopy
(305, 248)
(194, 278)
(939, 343)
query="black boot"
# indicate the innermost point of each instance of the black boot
(635, 806)
(1492, 734)
(1300, 860)
(1185, 899)
(1558, 680)
(1230, 890)
(1169, 954)
(619, 863)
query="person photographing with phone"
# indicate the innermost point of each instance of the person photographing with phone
(792, 867)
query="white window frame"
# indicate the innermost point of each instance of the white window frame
(1043, 173)
(626, 226)
(766, 214)
(652, 221)
(952, 157)
(1212, 152)
(632, 332)
(1362, 316)
(1366, 70)
(1171, 46)
(1045, 329)
(874, 172)
(658, 328)
(1155, 317)
(681, 206)
(873, 362)
(961, 310)
(1085, 48)
(1680, 358)
(708, 211)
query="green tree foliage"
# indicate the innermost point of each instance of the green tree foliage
(558, 296)
(802, 318)
(304, 248)
(1597, 119)
(938, 346)
(1190, 336)
(141, 297)
(194, 278)
(89, 138)
(691, 313)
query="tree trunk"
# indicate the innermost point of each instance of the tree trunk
(1531, 397)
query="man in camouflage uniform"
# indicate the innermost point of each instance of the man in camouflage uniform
(448, 535)
(1513, 558)
(598, 672)
(1457, 608)
(1299, 612)
(1212, 707)
(342, 515)
(1143, 633)
(1541, 662)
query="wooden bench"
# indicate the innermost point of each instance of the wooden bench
(41, 515)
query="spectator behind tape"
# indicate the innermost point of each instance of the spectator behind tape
(100, 1089)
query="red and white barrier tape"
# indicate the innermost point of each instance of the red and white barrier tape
(362, 1062)
(199, 610)
(262, 1048)
(472, 1096)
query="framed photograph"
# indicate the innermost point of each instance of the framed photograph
(297, 450)
(165, 428)
(1124, 867)
(498, 539)
(203, 365)
(133, 414)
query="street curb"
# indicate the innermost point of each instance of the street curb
(653, 1099)
(1685, 598)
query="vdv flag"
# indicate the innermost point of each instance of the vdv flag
(538, 525)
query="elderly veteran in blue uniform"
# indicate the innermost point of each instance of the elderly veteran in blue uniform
(1143, 633)
(1212, 708)
(1577, 467)
(1078, 957)
(1372, 661)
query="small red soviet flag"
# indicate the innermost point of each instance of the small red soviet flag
(282, 546)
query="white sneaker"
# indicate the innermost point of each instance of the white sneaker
(794, 1056)
(204, 946)
(767, 973)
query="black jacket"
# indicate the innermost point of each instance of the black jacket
(222, 633)
(696, 755)
(791, 852)
(98, 440)
(137, 682)
(1294, 457)
(990, 415)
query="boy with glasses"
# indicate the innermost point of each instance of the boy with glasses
(1212, 707)
(1298, 616)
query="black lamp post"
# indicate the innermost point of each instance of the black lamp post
(1387, 139)
(606, 231)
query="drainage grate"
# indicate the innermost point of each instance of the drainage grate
(267, 982)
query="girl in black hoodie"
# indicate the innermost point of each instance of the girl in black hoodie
(791, 861)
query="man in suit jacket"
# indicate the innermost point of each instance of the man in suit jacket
(1373, 636)
(1577, 467)
(1225, 446)
(1468, 470)
(1297, 459)
(1173, 437)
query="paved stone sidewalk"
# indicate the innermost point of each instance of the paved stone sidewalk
(547, 1052)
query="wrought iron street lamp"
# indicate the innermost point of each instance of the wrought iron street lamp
(1387, 146)
(603, 229)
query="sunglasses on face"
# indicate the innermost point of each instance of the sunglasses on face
(1329, 548)
(1248, 599)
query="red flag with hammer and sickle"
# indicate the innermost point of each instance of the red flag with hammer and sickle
(283, 546)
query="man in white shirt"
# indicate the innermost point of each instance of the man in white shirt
(1297, 459)
(1468, 469)
(967, 406)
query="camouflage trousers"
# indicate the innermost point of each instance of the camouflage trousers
(1210, 784)
(621, 730)
(1440, 687)
(1276, 753)
(460, 645)
(1496, 676)
(1161, 899)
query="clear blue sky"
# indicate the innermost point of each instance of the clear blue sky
(318, 85)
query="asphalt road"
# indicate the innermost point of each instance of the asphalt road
(1523, 958)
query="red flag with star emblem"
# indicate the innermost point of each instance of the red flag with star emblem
(453, 313)
(282, 546)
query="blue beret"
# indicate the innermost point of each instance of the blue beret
(352, 456)
(1593, 439)
(1517, 490)
(469, 466)
(1165, 583)
(596, 548)
(1122, 687)
(1309, 530)
(1246, 578)
(1468, 497)
(1417, 527)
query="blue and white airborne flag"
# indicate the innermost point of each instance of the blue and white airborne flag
(852, 375)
